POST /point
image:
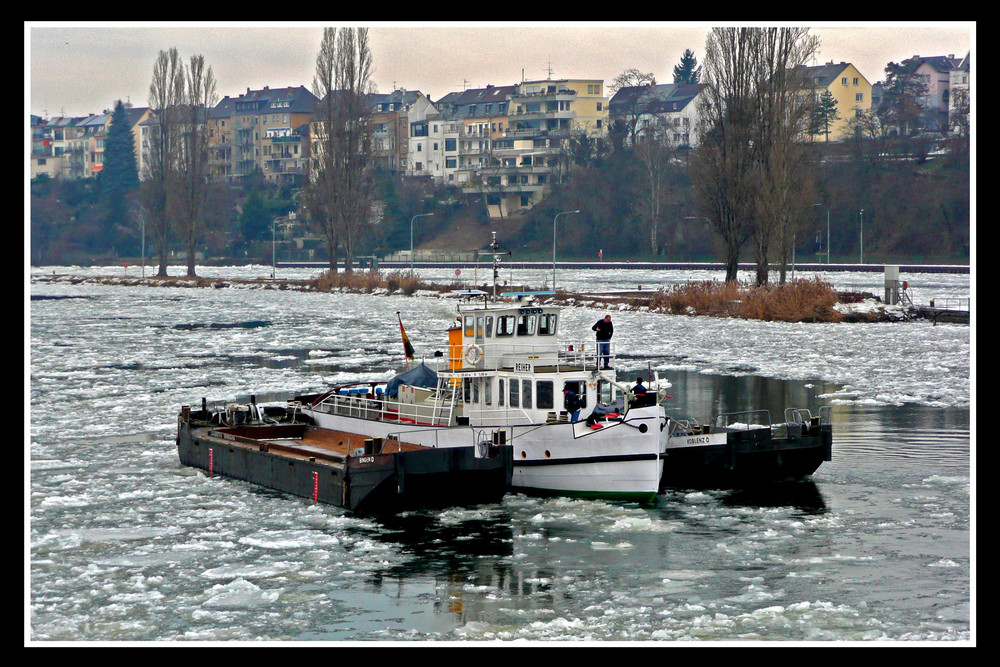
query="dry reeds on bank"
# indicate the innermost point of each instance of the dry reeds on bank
(793, 301)
(406, 282)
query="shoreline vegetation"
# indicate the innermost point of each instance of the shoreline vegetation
(798, 300)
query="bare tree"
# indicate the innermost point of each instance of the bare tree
(166, 90)
(744, 174)
(633, 102)
(655, 153)
(342, 178)
(722, 168)
(192, 181)
(783, 110)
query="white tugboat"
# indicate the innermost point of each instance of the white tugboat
(573, 428)
(509, 380)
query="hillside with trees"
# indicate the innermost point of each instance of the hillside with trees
(761, 187)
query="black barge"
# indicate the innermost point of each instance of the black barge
(730, 455)
(275, 449)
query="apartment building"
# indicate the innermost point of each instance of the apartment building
(935, 73)
(391, 126)
(848, 86)
(529, 155)
(262, 131)
(669, 107)
(73, 147)
(959, 108)
(482, 114)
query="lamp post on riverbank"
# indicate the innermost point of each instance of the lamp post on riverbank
(419, 215)
(861, 256)
(554, 246)
(827, 230)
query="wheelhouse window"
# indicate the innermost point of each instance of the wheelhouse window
(526, 325)
(470, 326)
(515, 394)
(526, 394)
(547, 324)
(505, 325)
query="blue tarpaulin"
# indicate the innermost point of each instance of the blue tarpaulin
(418, 376)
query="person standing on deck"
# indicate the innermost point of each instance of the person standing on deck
(604, 330)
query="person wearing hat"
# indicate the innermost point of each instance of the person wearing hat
(604, 330)
(572, 403)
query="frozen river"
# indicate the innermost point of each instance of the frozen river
(127, 545)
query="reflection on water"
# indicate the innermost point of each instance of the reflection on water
(804, 496)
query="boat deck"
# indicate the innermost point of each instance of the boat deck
(308, 442)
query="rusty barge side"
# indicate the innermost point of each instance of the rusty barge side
(366, 475)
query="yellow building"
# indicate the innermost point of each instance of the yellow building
(848, 86)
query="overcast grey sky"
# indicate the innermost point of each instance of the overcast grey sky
(79, 68)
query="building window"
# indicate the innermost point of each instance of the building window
(859, 97)
(843, 81)
(855, 81)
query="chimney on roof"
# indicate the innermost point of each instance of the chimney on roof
(951, 56)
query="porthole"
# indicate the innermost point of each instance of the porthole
(643, 428)
(547, 454)
(523, 455)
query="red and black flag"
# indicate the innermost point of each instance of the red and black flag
(407, 347)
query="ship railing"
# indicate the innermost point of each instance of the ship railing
(386, 409)
(496, 356)
(495, 417)
(744, 420)
(685, 427)
(804, 416)
(428, 437)
(586, 354)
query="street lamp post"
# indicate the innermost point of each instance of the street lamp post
(554, 246)
(419, 215)
(861, 256)
(142, 221)
(827, 230)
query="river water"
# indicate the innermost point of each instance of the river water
(125, 545)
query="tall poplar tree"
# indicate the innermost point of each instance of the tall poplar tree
(747, 172)
(342, 181)
(166, 91)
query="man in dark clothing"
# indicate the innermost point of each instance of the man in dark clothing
(639, 389)
(604, 330)
(572, 403)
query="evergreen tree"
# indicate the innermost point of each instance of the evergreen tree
(687, 71)
(901, 101)
(255, 220)
(823, 115)
(119, 175)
